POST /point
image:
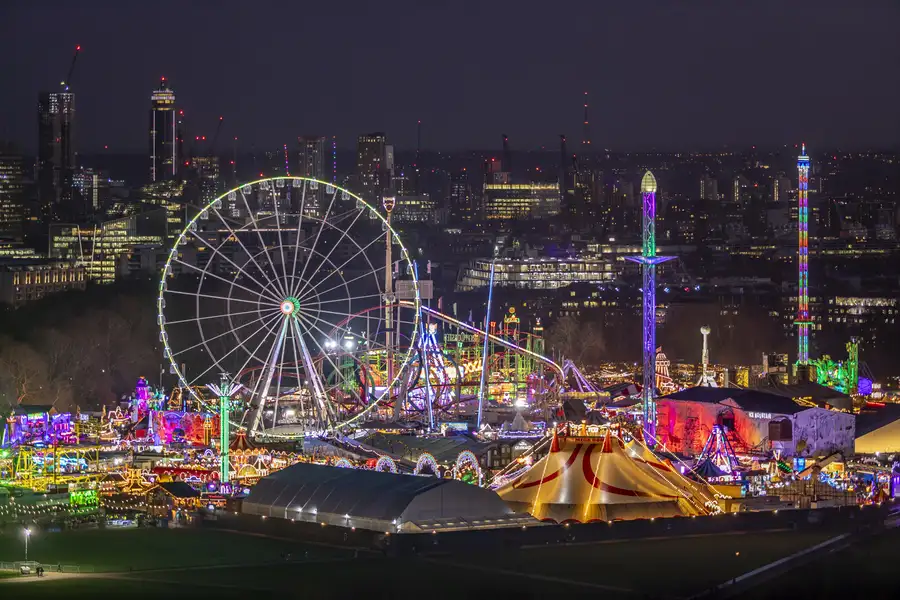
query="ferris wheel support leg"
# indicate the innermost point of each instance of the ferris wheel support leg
(270, 373)
(316, 387)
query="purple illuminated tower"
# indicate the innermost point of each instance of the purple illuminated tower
(649, 260)
(803, 320)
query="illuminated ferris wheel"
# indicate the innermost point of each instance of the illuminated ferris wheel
(263, 284)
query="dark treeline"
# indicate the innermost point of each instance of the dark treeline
(81, 349)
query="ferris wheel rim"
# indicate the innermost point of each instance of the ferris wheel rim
(189, 229)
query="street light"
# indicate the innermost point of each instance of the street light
(27, 535)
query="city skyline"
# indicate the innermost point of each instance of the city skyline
(711, 84)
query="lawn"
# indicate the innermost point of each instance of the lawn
(678, 566)
(867, 569)
(154, 548)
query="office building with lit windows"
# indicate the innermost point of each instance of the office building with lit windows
(56, 156)
(163, 135)
(538, 273)
(207, 168)
(371, 168)
(312, 161)
(520, 201)
(100, 248)
(12, 195)
(93, 188)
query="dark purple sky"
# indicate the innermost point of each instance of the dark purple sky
(659, 73)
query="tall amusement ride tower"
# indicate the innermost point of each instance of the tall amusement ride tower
(648, 260)
(803, 321)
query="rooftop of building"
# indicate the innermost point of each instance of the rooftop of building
(748, 399)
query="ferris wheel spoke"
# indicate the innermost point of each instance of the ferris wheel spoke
(345, 283)
(238, 238)
(269, 328)
(275, 201)
(231, 262)
(225, 298)
(262, 244)
(228, 281)
(351, 298)
(252, 355)
(297, 243)
(353, 241)
(221, 335)
(298, 289)
(337, 270)
(322, 350)
(222, 316)
(318, 235)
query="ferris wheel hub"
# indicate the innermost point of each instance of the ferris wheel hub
(290, 306)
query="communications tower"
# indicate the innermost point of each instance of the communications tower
(648, 260)
(803, 321)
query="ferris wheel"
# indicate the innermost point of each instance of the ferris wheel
(263, 283)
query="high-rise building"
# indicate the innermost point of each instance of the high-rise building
(312, 157)
(92, 187)
(312, 165)
(56, 156)
(207, 168)
(370, 167)
(12, 194)
(782, 189)
(462, 206)
(163, 134)
(709, 189)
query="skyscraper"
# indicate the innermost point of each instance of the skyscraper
(56, 156)
(163, 135)
(370, 166)
(462, 207)
(312, 165)
(12, 184)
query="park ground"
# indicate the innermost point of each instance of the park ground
(197, 563)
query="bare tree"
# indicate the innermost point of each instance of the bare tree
(580, 341)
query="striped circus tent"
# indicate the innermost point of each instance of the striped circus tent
(595, 478)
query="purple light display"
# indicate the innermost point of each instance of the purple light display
(648, 260)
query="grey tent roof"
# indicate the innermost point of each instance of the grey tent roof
(363, 494)
(870, 419)
(410, 447)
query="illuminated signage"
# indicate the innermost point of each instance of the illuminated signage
(459, 337)
(759, 415)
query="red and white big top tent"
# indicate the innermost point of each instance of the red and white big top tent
(591, 478)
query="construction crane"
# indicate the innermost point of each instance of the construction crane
(215, 137)
(65, 83)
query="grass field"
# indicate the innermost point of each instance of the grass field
(205, 563)
(864, 570)
(153, 548)
(669, 567)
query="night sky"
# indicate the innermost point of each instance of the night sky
(659, 73)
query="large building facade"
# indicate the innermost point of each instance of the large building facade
(12, 194)
(163, 134)
(312, 163)
(56, 156)
(520, 201)
(371, 167)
